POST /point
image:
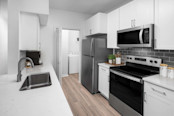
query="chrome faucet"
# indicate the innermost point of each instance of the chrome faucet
(19, 67)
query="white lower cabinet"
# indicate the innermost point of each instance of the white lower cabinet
(158, 101)
(103, 83)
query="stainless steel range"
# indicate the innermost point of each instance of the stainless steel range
(126, 84)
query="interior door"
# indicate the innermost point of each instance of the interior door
(87, 73)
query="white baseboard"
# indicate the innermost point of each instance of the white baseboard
(64, 75)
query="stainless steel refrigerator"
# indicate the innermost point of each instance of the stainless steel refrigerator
(94, 51)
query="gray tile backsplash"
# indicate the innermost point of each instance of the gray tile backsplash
(166, 55)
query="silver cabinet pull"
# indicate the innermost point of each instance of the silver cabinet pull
(134, 22)
(131, 23)
(145, 99)
(160, 92)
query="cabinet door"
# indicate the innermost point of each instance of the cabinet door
(29, 31)
(144, 12)
(112, 28)
(103, 84)
(127, 15)
(156, 106)
(164, 24)
(101, 18)
(100, 80)
(158, 101)
(97, 24)
(105, 90)
(137, 13)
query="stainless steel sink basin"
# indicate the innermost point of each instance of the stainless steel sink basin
(36, 81)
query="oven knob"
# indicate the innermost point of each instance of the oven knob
(127, 57)
(151, 61)
(155, 62)
(130, 58)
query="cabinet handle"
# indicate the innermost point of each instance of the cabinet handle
(131, 23)
(155, 43)
(145, 99)
(134, 22)
(160, 92)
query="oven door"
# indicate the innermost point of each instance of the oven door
(128, 90)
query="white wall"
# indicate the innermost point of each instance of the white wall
(74, 45)
(14, 9)
(59, 19)
(3, 36)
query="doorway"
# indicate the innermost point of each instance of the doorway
(68, 53)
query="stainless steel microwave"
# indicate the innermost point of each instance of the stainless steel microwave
(142, 36)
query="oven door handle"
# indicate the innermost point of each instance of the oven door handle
(127, 76)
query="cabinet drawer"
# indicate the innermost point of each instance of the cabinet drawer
(158, 91)
(104, 70)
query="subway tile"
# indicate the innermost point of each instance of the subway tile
(165, 59)
(171, 59)
(143, 53)
(150, 53)
(146, 49)
(166, 55)
(163, 51)
(170, 63)
(169, 54)
(159, 53)
(171, 51)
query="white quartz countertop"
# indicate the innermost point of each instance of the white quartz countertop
(106, 65)
(161, 81)
(45, 101)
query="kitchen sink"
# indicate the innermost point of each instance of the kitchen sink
(36, 81)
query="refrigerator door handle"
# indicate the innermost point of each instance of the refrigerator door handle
(91, 46)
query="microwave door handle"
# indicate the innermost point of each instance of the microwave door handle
(141, 36)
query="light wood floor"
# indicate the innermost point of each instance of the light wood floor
(83, 103)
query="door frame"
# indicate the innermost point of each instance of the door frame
(58, 51)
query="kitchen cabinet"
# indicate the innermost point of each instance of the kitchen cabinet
(29, 32)
(112, 28)
(103, 81)
(164, 25)
(158, 101)
(137, 13)
(97, 24)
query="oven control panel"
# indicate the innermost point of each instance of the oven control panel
(144, 60)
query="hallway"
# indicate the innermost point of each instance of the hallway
(83, 103)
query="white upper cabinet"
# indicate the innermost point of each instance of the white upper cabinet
(164, 24)
(29, 32)
(39, 7)
(137, 13)
(112, 27)
(97, 24)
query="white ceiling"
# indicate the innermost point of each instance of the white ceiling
(87, 6)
